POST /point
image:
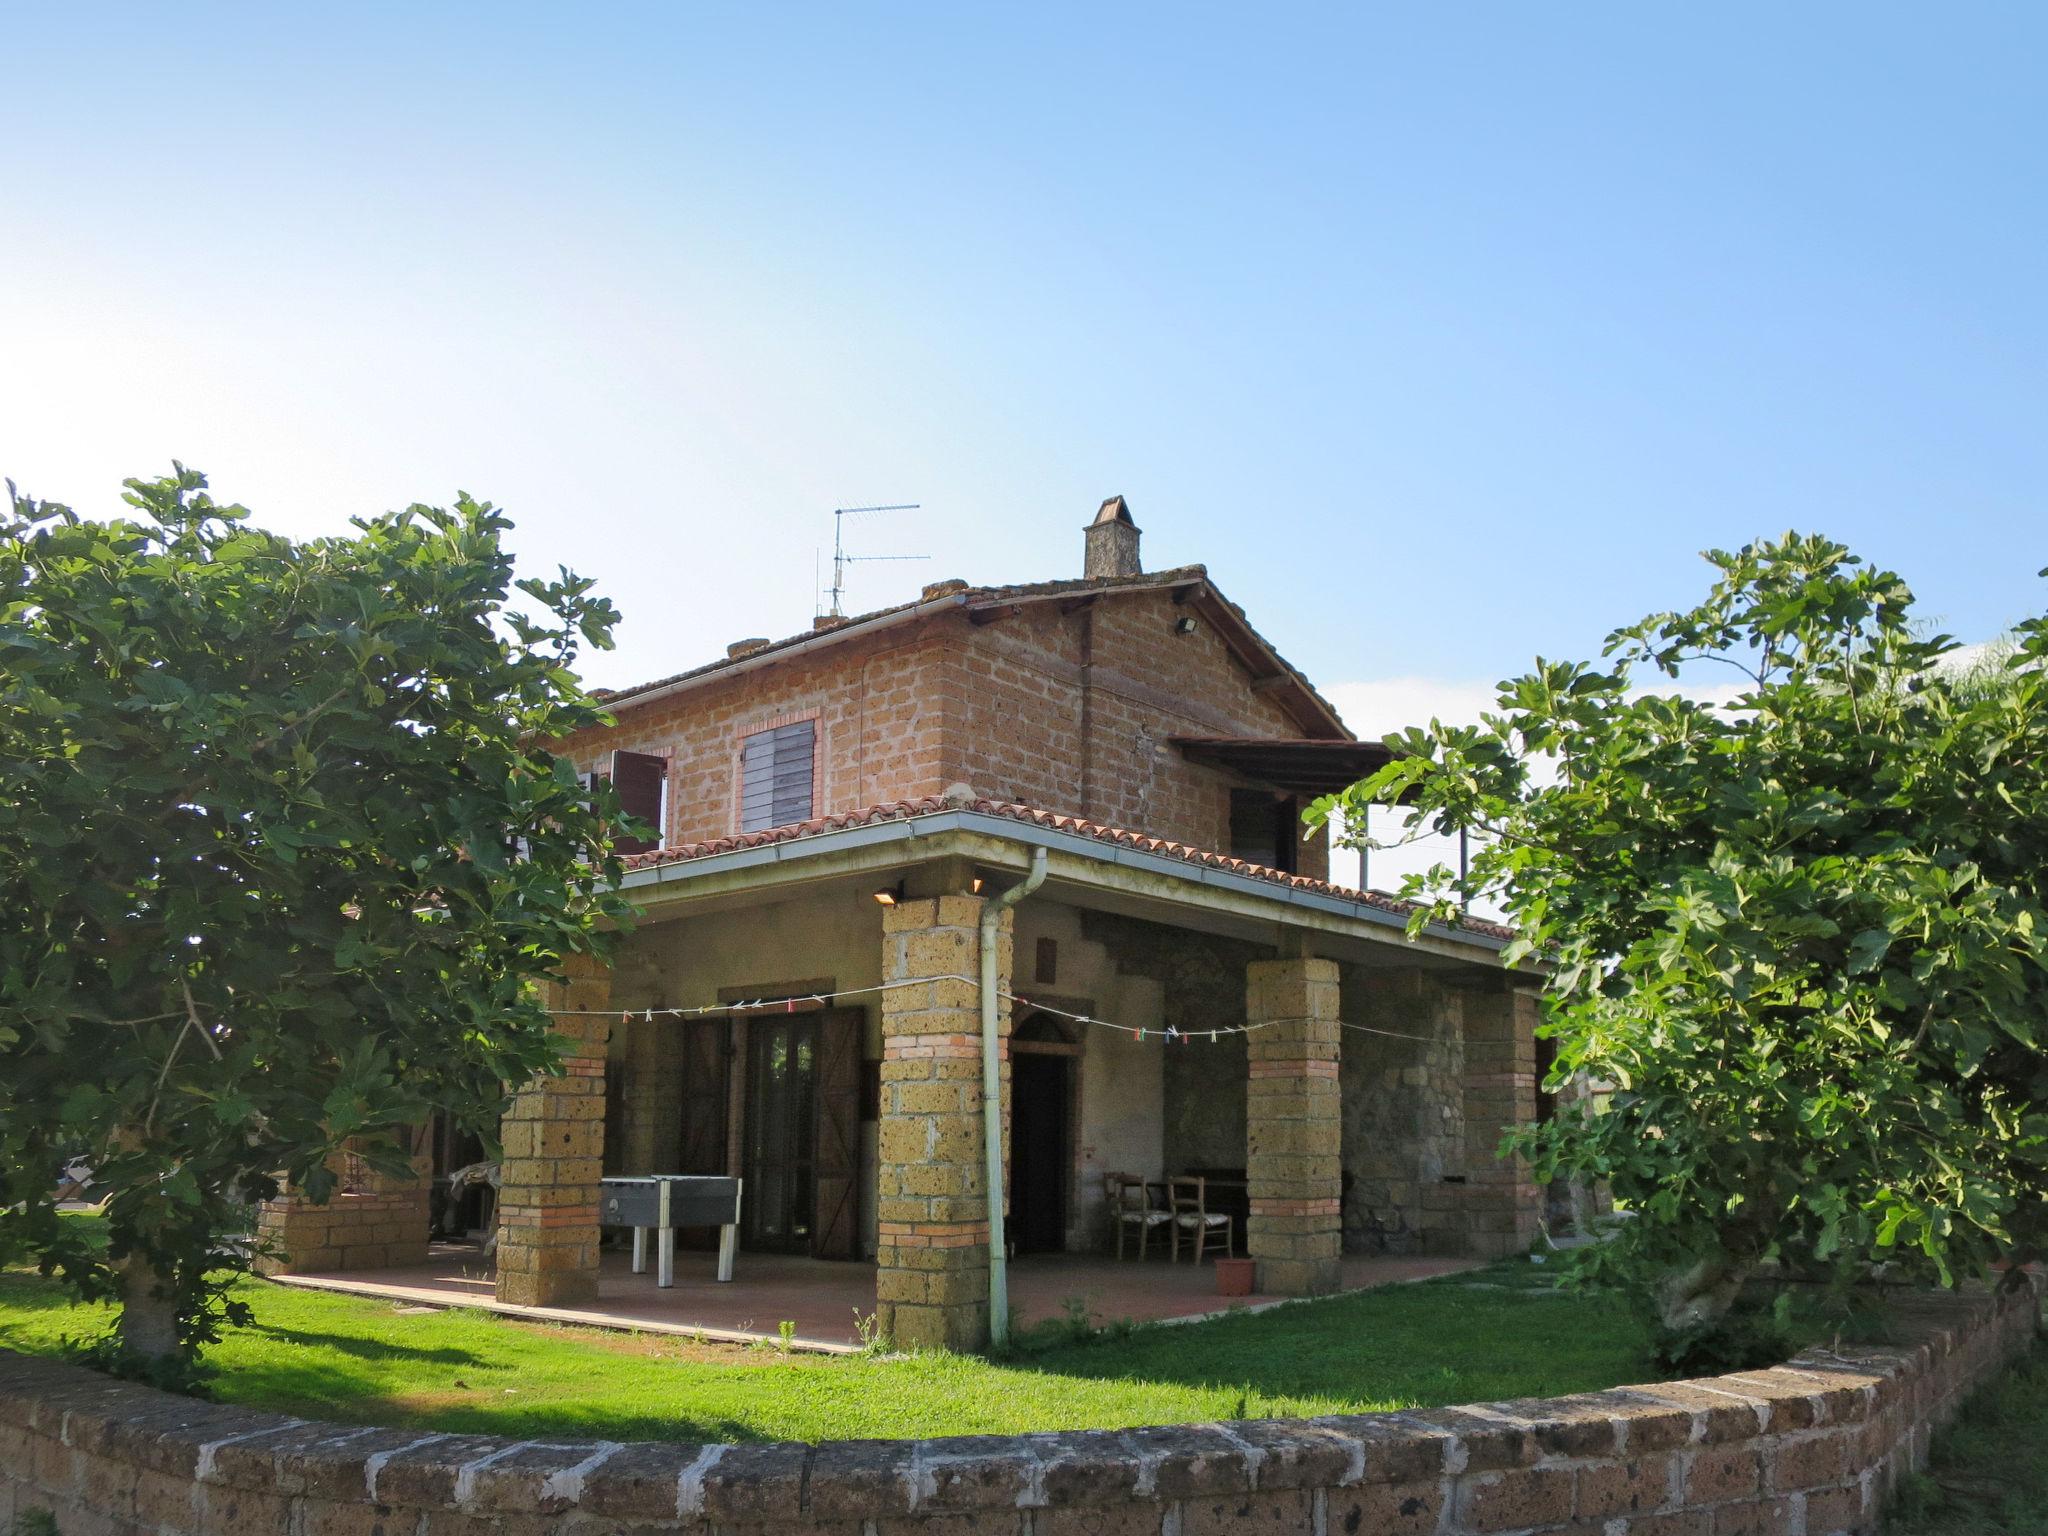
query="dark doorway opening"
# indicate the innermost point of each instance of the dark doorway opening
(800, 1133)
(1041, 1160)
(781, 1133)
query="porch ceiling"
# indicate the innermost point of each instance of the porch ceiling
(1081, 871)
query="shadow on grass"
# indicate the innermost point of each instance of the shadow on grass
(338, 1397)
(366, 1349)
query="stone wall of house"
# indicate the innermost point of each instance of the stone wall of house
(1066, 711)
(1404, 1120)
(879, 703)
(1406, 1153)
(1812, 1447)
(1074, 712)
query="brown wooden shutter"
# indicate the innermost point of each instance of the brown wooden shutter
(835, 1228)
(640, 778)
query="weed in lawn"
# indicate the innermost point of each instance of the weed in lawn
(867, 1327)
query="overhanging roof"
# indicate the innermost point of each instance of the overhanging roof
(1180, 880)
(1299, 767)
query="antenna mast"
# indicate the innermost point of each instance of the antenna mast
(841, 559)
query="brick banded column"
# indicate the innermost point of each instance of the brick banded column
(931, 1279)
(1503, 1202)
(1294, 1127)
(553, 1135)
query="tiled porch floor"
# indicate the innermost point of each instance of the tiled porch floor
(822, 1298)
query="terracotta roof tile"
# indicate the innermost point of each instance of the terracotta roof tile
(933, 805)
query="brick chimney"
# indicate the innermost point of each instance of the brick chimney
(1112, 542)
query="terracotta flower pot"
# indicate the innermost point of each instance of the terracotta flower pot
(1234, 1277)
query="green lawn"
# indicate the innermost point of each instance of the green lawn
(1989, 1472)
(1488, 1335)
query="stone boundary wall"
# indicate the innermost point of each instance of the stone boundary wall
(383, 1229)
(1807, 1449)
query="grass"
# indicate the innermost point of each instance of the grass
(1988, 1475)
(1491, 1334)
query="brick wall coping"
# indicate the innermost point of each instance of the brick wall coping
(1804, 1449)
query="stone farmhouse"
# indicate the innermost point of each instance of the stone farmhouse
(1184, 991)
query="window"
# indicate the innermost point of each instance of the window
(641, 778)
(775, 776)
(1265, 829)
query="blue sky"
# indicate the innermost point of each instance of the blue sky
(1443, 337)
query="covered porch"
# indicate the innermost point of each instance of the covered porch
(802, 1013)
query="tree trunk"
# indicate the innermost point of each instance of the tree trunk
(1702, 1294)
(149, 1323)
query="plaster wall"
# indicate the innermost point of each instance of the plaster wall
(1122, 1084)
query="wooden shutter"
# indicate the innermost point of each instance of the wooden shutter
(775, 776)
(640, 778)
(835, 1225)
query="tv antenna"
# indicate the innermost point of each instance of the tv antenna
(841, 559)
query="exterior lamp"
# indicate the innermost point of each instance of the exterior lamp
(889, 895)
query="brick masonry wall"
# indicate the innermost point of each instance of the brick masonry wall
(373, 1221)
(1028, 730)
(351, 1231)
(1808, 1449)
(878, 703)
(999, 706)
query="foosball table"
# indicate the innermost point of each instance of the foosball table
(661, 1202)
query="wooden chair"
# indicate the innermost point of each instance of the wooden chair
(1189, 1198)
(1131, 1208)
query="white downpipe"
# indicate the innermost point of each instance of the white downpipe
(992, 1099)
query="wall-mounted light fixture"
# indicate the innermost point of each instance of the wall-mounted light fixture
(1184, 625)
(889, 895)
(976, 886)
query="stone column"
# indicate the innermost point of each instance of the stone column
(931, 1278)
(1503, 1203)
(553, 1135)
(1294, 1126)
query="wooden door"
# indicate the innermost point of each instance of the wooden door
(835, 1230)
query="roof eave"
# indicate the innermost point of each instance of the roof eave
(919, 830)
